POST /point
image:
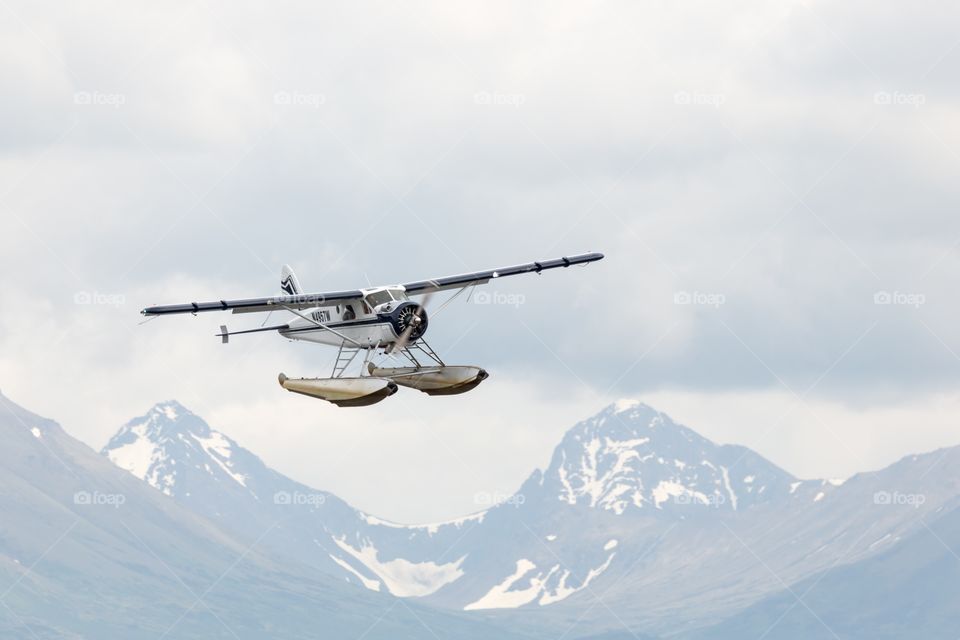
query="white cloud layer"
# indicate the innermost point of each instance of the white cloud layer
(782, 167)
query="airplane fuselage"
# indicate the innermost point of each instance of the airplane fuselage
(374, 322)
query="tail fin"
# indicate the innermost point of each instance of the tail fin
(288, 281)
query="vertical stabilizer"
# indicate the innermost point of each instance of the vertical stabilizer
(288, 281)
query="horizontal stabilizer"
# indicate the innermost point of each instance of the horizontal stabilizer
(225, 335)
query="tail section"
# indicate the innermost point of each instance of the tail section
(288, 281)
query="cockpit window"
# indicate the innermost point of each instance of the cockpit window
(399, 295)
(377, 298)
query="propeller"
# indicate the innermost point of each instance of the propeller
(416, 319)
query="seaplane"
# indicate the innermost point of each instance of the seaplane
(389, 320)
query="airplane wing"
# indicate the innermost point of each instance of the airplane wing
(253, 305)
(481, 277)
(330, 298)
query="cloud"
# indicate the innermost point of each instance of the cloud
(792, 160)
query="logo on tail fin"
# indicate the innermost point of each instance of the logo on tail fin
(288, 282)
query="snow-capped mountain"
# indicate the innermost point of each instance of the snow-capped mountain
(617, 484)
(179, 454)
(88, 551)
(169, 445)
(675, 531)
(632, 505)
(630, 456)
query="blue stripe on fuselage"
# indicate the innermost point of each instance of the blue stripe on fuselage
(340, 325)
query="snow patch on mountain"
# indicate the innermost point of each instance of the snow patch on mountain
(524, 587)
(380, 522)
(501, 596)
(562, 590)
(219, 450)
(667, 489)
(434, 527)
(373, 585)
(726, 485)
(402, 577)
(138, 454)
(431, 528)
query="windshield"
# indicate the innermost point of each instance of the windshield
(399, 294)
(377, 298)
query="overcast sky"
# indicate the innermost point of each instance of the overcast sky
(774, 185)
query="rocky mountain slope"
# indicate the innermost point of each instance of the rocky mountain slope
(635, 515)
(89, 551)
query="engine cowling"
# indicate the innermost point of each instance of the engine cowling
(405, 314)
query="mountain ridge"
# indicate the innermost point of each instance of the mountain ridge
(88, 551)
(631, 504)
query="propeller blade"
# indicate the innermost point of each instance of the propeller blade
(404, 338)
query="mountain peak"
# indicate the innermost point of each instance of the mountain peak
(169, 418)
(171, 409)
(631, 456)
(152, 445)
(627, 420)
(627, 404)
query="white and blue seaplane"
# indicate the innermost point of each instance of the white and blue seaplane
(370, 321)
